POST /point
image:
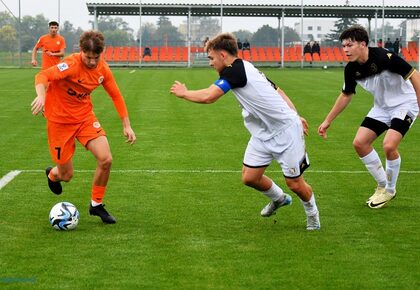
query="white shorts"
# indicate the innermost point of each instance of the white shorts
(287, 148)
(385, 116)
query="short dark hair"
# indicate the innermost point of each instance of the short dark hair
(224, 41)
(53, 23)
(355, 33)
(92, 41)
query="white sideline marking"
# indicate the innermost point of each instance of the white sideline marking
(218, 171)
(8, 177)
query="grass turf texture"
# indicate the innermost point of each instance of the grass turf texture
(184, 220)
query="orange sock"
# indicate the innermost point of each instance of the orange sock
(98, 193)
(51, 176)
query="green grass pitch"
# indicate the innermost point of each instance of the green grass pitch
(184, 220)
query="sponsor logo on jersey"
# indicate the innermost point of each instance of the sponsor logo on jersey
(373, 68)
(101, 79)
(62, 66)
(389, 55)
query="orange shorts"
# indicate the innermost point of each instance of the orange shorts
(61, 137)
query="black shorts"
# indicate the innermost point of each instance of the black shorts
(379, 127)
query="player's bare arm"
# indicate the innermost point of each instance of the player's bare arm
(37, 105)
(128, 131)
(292, 106)
(34, 62)
(203, 96)
(415, 81)
(340, 104)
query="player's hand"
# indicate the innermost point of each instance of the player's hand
(178, 89)
(34, 63)
(130, 135)
(305, 126)
(37, 105)
(322, 130)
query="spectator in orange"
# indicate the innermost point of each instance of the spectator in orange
(53, 46)
(69, 114)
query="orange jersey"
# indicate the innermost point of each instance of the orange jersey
(71, 83)
(52, 44)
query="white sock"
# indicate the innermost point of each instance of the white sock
(94, 203)
(310, 206)
(374, 166)
(392, 172)
(275, 193)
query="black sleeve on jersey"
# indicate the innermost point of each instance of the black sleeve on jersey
(350, 84)
(235, 74)
(272, 83)
(400, 66)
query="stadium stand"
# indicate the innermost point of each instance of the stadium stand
(168, 55)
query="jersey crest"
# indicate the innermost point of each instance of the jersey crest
(62, 66)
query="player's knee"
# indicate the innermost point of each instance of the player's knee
(358, 144)
(298, 185)
(106, 162)
(249, 180)
(293, 185)
(389, 149)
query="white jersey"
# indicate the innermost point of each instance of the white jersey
(385, 75)
(264, 111)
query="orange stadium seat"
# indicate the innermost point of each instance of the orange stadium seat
(406, 54)
(124, 54)
(276, 53)
(330, 54)
(254, 54)
(269, 54)
(184, 56)
(133, 54)
(246, 55)
(108, 53)
(116, 54)
(338, 54)
(261, 54)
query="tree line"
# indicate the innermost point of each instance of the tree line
(118, 33)
(162, 33)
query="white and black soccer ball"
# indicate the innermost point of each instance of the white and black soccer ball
(64, 216)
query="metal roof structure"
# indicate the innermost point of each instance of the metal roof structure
(230, 10)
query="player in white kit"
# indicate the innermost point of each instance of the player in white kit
(271, 118)
(395, 86)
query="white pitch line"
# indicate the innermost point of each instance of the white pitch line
(133, 71)
(217, 171)
(8, 177)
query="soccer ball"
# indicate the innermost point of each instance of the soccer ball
(64, 216)
(325, 67)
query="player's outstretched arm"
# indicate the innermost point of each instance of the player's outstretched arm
(203, 96)
(340, 104)
(37, 105)
(415, 81)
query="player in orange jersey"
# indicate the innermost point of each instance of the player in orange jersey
(53, 46)
(68, 110)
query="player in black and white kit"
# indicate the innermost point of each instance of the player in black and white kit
(277, 132)
(395, 85)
